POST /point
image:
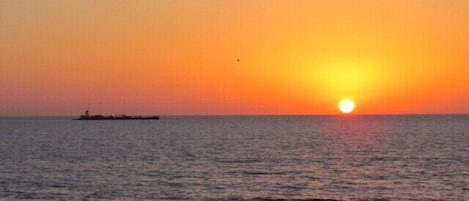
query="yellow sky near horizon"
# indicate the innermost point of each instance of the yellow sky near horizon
(180, 57)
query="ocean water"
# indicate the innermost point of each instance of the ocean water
(238, 158)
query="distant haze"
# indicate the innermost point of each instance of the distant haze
(181, 57)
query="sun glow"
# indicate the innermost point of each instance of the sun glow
(346, 106)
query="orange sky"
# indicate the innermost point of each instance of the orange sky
(179, 57)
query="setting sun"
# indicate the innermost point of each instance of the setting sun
(346, 106)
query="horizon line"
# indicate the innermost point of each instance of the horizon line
(259, 115)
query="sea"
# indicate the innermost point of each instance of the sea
(236, 158)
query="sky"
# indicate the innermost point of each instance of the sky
(178, 57)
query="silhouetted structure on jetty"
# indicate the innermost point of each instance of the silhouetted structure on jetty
(87, 116)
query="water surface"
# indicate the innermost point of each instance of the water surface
(237, 158)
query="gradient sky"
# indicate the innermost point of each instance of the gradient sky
(59, 57)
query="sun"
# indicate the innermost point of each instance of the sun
(346, 106)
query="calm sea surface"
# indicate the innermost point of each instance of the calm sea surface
(236, 158)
